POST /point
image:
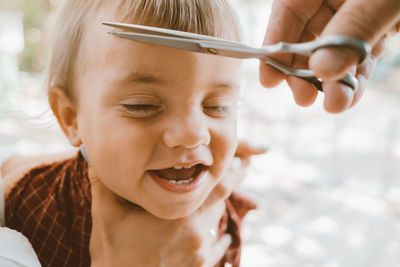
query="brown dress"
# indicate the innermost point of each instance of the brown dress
(51, 206)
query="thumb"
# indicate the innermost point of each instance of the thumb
(363, 19)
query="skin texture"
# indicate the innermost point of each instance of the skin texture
(13, 169)
(190, 116)
(117, 227)
(127, 236)
(301, 20)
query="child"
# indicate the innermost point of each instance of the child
(158, 126)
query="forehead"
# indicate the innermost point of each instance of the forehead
(117, 57)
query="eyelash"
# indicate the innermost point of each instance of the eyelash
(141, 110)
(222, 110)
(139, 107)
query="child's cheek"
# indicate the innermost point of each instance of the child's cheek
(223, 148)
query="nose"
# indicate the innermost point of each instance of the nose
(188, 131)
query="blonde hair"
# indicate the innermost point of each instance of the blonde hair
(209, 17)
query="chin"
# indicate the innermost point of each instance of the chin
(174, 213)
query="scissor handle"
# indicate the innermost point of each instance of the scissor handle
(348, 80)
(307, 48)
(308, 75)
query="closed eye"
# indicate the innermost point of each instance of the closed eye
(217, 111)
(141, 110)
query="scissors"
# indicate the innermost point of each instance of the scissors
(223, 47)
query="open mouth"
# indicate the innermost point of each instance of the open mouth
(179, 179)
(180, 175)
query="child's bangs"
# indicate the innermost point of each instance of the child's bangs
(209, 17)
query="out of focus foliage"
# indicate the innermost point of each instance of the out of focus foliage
(33, 57)
(34, 15)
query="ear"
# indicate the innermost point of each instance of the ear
(66, 114)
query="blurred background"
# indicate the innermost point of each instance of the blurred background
(329, 187)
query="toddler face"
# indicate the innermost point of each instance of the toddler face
(158, 123)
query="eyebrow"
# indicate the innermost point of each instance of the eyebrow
(141, 78)
(225, 85)
(148, 78)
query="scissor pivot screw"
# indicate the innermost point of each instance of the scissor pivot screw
(213, 51)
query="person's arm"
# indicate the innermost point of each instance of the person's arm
(13, 168)
(15, 249)
(301, 20)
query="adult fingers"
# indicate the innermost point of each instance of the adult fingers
(364, 73)
(235, 173)
(245, 150)
(221, 191)
(213, 207)
(225, 187)
(204, 224)
(338, 97)
(287, 22)
(207, 223)
(318, 22)
(395, 29)
(379, 48)
(240, 163)
(213, 215)
(304, 93)
(366, 20)
(218, 250)
(237, 169)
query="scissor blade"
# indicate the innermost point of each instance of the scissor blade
(234, 51)
(169, 32)
(185, 44)
(207, 47)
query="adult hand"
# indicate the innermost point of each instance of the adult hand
(305, 20)
(126, 235)
(236, 173)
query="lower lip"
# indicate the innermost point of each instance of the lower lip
(179, 188)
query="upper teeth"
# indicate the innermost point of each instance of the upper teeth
(182, 167)
(178, 167)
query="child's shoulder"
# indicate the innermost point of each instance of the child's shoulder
(14, 168)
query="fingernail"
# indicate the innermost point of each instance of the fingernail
(260, 150)
(263, 148)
